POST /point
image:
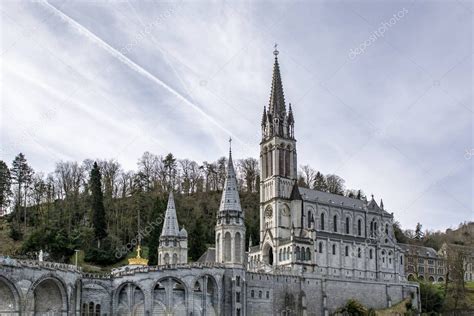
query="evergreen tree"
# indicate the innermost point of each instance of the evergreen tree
(5, 186)
(418, 231)
(21, 175)
(97, 205)
(197, 245)
(320, 182)
(154, 239)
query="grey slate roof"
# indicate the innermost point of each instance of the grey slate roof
(208, 256)
(329, 198)
(419, 250)
(170, 225)
(230, 200)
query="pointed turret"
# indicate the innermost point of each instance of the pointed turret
(381, 204)
(230, 200)
(173, 247)
(264, 116)
(170, 225)
(230, 226)
(291, 120)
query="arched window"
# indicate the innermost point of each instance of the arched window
(401, 259)
(320, 246)
(252, 294)
(287, 161)
(97, 310)
(238, 247)
(227, 247)
(347, 225)
(359, 227)
(288, 253)
(308, 254)
(359, 252)
(298, 253)
(309, 219)
(280, 255)
(322, 221)
(386, 229)
(335, 223)
(91, 308)
(347, 251)
(371, 254)
(334, 249)
(259, 294)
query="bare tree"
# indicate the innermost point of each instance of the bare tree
(308, 174)
(248, 167)
(335, 184)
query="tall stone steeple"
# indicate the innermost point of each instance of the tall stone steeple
(230, 226)
(278, 172)
(276, 121)
(173, 248)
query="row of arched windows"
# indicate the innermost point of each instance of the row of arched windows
(284, 161)
(90, 309)
(346, 250)
(303, 253)
(335, 226)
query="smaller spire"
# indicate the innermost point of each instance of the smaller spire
(381, 204)
(264, 116)
(290, 115)
(170, 225)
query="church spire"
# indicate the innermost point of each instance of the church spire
(230, 200)
(170, 225)
(277, 99)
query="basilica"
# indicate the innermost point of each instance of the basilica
(316, 251)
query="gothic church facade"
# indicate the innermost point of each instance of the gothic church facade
(316, 251)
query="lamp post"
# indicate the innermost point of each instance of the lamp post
(76, 251)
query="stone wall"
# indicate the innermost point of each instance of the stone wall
(32, 287)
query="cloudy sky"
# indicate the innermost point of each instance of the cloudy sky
(382, 92)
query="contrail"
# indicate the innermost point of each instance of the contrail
(83, 30)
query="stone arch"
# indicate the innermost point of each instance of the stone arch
(169, 297)
(267, 254)
(129, 300)
(98, 294)
(411, 277)
(227, 247)
(431, 279)
(440, 279)
(10, 302)
(238, 248)
(205, 296)
(48, 295)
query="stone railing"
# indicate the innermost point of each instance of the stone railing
(7, 261)
(130, 270)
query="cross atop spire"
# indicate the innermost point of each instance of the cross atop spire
(276, 52)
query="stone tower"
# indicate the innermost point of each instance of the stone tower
(173, 248)
(230, 227)
(278, 172)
